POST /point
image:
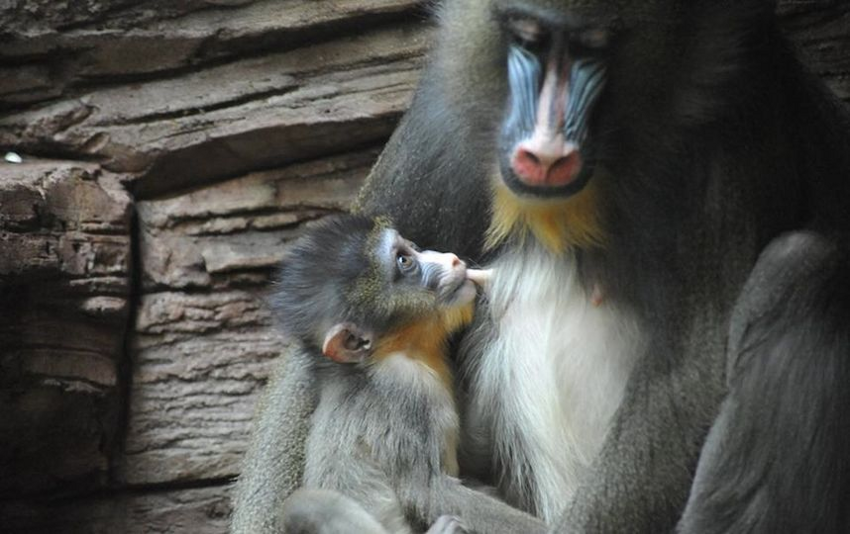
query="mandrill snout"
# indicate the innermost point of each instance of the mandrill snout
(555, 163)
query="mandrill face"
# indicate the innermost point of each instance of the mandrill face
(571, 82)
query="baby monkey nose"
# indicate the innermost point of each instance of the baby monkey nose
(451, 263)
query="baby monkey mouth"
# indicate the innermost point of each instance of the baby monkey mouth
(452, 287)
(461, 289)
(481, 277)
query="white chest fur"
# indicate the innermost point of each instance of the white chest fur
(556, 367)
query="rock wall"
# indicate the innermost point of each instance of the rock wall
(169, 152)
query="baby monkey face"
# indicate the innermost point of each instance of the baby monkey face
(352, 280)
(354, 287)
(406, 301)
(442, 276)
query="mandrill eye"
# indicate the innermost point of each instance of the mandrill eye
(405, 262)
(595, 38)
(528, 32)
(589, 42)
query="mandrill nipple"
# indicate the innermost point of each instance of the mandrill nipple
(480, 277)
(597, 296)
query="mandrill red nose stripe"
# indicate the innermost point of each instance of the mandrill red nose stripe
(536, 170)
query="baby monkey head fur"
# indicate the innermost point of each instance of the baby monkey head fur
(352, 288)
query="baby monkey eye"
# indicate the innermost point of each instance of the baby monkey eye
(405, 262)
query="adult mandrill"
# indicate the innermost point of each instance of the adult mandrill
(665, 191)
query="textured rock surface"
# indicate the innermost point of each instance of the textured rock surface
(170, 151)
(198, 510)
(64, 267)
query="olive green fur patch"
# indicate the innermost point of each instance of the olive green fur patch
(372, 294)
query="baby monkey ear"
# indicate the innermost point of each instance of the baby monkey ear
(347, 343)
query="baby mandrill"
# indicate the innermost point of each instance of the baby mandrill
(377, 313)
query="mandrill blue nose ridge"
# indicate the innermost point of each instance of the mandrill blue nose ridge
(524, 72)
(587, 79)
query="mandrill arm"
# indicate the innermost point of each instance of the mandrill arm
(274, 463)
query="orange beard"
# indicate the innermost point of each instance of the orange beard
(557, 224)
(426, 340)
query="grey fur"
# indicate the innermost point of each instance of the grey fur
(306, 512)
(782, 474)
(271, 473)
(379, 437)
(371, 443)
(311, 511)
